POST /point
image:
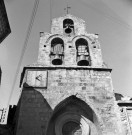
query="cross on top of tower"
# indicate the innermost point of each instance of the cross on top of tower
(67, 9)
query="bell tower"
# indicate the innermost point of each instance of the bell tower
(68, 90)
(69, 45)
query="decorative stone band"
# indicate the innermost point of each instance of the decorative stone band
(59, 67)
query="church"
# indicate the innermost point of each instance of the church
(69, 90)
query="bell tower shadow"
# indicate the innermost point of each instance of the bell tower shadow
(33, 112)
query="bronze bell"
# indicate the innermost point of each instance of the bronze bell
(82, 61)
(68, 30)
(57, 60)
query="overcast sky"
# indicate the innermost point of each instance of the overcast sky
(111, 19)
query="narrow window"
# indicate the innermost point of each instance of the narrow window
(83, 58)
(57, 51)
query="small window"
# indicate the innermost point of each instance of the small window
(57, 51)
(83, 58)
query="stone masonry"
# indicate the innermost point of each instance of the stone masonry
(65, 97)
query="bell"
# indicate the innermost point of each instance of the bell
(68, 30)
(82, 61)
(57, 60)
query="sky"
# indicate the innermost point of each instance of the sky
(111, 19)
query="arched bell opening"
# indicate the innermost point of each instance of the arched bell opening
(57, 51)
(83, 57)
(68, 26)
(72, 116)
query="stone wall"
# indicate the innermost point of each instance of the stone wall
(53, 94)
(93, 86)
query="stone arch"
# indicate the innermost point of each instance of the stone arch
(82, 52)
(74, 115)
(82, 36)
(57, 51)
(52, 37)
(86, 59)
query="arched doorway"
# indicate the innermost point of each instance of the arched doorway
(72, 124)
(72, 117)
(71, 128)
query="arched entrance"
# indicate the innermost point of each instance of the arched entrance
(72, 117)
(72, 124)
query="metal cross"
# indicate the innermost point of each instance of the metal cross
(67, 8)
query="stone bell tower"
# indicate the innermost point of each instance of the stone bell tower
(69, 90)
